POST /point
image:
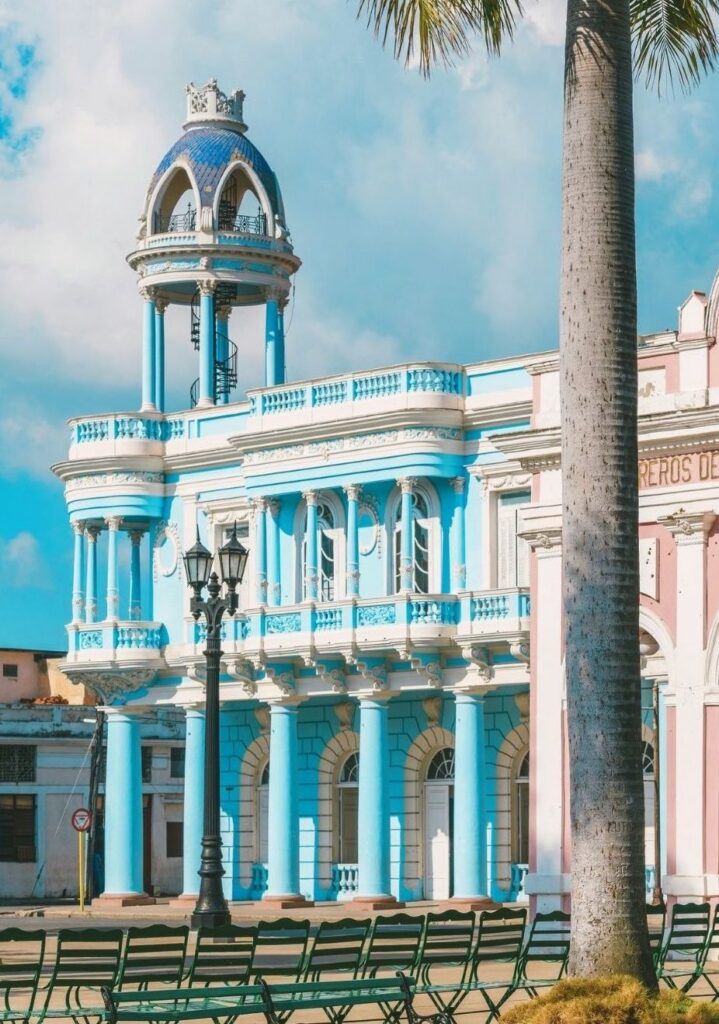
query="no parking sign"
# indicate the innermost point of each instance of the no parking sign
(81, 819)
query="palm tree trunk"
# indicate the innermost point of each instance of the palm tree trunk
(599, 475)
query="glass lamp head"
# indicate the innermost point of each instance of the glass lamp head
(198, 563)
(233, 560)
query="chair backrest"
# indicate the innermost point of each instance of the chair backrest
(548, 942)
(395, 944)
(223, 956)
(688, 932)
(337, 947)
(153, 956)
(86, 958)
(500, 938)
(280, 949)
(656, 920)
(17, 975)
(712, 943)
(448, 938)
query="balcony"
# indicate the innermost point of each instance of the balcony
(118, 642)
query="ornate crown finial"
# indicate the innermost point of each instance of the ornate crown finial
(207, 103)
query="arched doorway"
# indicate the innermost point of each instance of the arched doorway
(438, 825)
(263, 804)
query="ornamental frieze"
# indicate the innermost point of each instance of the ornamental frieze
(322, 449)
(105, 479)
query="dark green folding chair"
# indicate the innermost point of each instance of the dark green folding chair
(153, 956)
(337, 952)
(86, 960)
(709, 959)
(656, 921)
(395, 944)
(687, 940)
(548, 943)
(19, 977)
(448, 942)
(223, 956)
(280, 949)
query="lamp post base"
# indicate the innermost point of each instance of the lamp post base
(210, 918)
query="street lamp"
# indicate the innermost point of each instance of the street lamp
(211, 910)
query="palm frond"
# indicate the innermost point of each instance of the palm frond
(675, 41)
(439, 30)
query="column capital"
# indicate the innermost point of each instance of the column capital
(160, 306)
(457, 484)
(78, 527)
(353, 492)
(311, 497)
(407, 484)
(223, 311)
(207, 287)
(113, 523)
(92, 532)
(260, 504)
(272, 294)
(688, 527)
(148, 292)
(136, 535)
(273, 506)
(544, 540)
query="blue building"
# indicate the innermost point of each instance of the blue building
(375, 686)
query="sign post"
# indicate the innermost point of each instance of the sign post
(81, 821)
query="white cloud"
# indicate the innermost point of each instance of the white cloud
(547, 19)
(653, 166)
(22, 562)
(29, 442)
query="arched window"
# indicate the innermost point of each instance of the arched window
(441, 767)
(520, 815)
(239, 208)
(648, 761)
(326, 554)
(263, 794)
(347, 803)
(176, 208)
(420, 545)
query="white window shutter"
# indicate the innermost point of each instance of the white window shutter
(506, 545)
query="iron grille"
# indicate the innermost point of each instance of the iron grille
(17, 762)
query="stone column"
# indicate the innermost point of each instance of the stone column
(91, 534)
(78, 572)
(223, 344)
(261, 550)
(160, 307)
(283, 863)
(406, 561)
(459, 558)
(123, 811)
(274, 340)
(206, 394)
(135, 602)
(113, 590)
(374, 890)
(470, 819)
(193, 800)
(148, 351)
(273, 552)
(685, 827)
(311, 569)
(353, 492)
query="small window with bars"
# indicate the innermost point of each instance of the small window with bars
(177, 762)
(17, 762)
(10, 670)
(17, 828)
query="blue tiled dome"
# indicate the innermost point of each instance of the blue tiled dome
(209, 151)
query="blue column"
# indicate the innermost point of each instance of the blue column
(272, 340)
(407, 538)
(283, 865)
(135, 603)
(311, 570)
(91, 534)
(353, 496)
(223, 345)
(78, 572)
(207, 343)
(280, 344)
(373, 809)
(123, 806)
(148, 351)
(113, 591)
(459, 555)
(261, 550)
(160, 307)
(470, 832)
(193, 800)
(273, 553)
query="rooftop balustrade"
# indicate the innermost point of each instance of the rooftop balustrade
(115, 641)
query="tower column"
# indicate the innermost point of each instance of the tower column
(206, 394)
(113, 591)
(123, 811)
(470, 829)
(193, 799)
(135, 602)
(273, 552)
(91, 534)
(274, 340)
(148, 351)
(223, 347)
(406, 561)
(78, 572)
(353, 496)
(459, 557)
(311, 573)
(160, 307)
(261, 550)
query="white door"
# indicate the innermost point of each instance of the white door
(437, 850)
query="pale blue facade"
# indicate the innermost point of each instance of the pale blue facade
(385, 610)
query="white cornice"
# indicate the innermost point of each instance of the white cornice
(494, 415)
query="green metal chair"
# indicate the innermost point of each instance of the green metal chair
(656, 922)
(337, 949)
(548, 943)
(86, 960)
(395, 945)
(19, 978)
(223, 956)
(448, 942)
(711, 949)
(281, 949)
(688, 938)
(153, 956)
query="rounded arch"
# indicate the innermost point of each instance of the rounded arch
(331, 761)
(711, 676)
(510, 756)
(339, 531)
(393, 510)
(256, 187)
(168, 190)
(257, 756)
(417, 761)
(650, 621)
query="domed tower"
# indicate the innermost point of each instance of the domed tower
(212, 237)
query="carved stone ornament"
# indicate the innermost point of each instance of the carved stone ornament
(283, 678)
(522, 702)
(428, 667)
(345, 711)
(197, 671)
(241, 669)
(433, 710)
(330, 673)
(112, 685)
(519, 649)
(373, 673)
(262, 716)
(480, 658)
(207, 287)
(166, 548)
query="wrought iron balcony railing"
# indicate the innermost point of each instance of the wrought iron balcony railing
(176, 222)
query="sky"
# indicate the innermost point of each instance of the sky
(426, 214)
